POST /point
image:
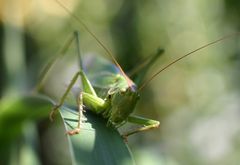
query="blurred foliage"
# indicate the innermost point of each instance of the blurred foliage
(22, 143)
(197, 100)
(17, 118)
(2, 65)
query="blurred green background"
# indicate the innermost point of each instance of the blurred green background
(196, 100)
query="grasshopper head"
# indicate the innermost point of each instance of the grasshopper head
(123, 103)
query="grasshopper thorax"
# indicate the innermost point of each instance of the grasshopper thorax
(123, 102)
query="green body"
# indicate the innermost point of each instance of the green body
(115, 100)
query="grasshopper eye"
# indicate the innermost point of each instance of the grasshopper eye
(109, 96)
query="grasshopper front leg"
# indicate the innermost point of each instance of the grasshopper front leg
(147, 125)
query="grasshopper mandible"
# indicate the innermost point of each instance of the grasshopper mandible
(121, 97)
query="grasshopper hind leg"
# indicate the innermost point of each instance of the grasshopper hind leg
(57, 106)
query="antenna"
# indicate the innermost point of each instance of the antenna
(129, 81)
(184, 56)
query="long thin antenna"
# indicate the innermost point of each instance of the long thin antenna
(129, 81)
(184, 56)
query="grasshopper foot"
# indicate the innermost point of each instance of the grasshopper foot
(53, 112)
(125, 138)
(73, 132)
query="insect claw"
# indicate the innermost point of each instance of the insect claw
(125, 138)
(73, 132)
(51, 116)
(53, 112)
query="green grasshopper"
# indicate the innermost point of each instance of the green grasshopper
(122, 95)
(117, 105)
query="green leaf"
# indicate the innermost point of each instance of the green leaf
(14, 112)
(95, 144)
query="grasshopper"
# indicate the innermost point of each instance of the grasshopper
(118, 103)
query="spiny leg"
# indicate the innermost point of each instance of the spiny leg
(88, 95)
(147, 125)
(80, 114)
(97, 104)
(87, 87)
(62, 99)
